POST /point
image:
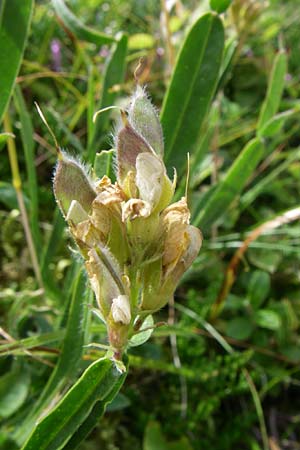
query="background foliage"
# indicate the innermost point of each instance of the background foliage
(224, 373)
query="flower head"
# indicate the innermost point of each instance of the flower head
(136, 243)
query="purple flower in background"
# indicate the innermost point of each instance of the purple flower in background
(56, 55)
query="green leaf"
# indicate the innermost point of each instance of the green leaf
(263, 184)
(113, 76)
(275, 89)
(192, 87)
(14, 387)
(15, 18)
(219, 6)
(86, 399)
(80, 30)
(239, 328)
(29, 147)
(266, 318)
(154, 439)
(103, 163)
(231, 185)
(119, 402)
(50, 248)
(70, 356)
(8, 196)
(274, 125)
(143, 336)
(258, 288)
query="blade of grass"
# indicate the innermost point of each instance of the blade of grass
(15, 18)
(192, 88)
(17, 183)
(77, 28)
(275, 89)
(29, 146)
(219, 338)
(70, 356)
(231, 185)
(113, 76)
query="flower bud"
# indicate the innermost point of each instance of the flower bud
(144, 119)
(129, 145)
(120, 310)
(72, 183)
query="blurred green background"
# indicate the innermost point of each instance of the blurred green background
(225, 373)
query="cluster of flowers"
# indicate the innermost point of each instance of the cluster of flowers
(136, 243)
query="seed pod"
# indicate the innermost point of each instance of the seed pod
(72, 183)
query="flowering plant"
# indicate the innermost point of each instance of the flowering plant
(136, 244)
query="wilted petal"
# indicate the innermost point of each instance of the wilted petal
(120, 310)
(135, 208)
(195, 242)
(108, 193)
(105, 275)
(86, 233)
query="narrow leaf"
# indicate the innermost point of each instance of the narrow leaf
(113, 76)
(29, 146)
(231, 185)
(275, 89)
(96, 387)
(192, 88)
(15, 17)
(70, 356)
(80, 30)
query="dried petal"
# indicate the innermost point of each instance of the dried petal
(135, 208)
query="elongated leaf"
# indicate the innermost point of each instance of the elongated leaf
(114, 75)
(77, 27)
(219, 6)
(275, 89)
(99, 408)
(15, 17)
(96, 387)
(231, 185)
(263, 184)
(192, 88)
(70, 356)
(275, 124)
(14, 387)
(8, 196)
(103, 163)
(28, 146)
(51, 247)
